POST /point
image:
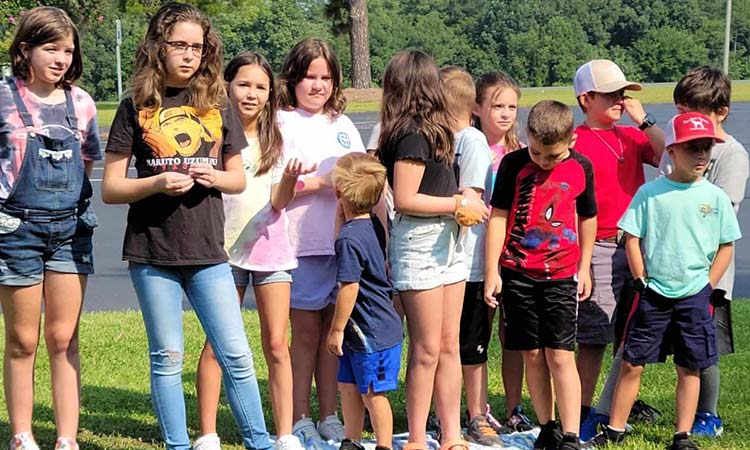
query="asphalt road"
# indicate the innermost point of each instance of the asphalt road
(110, 288)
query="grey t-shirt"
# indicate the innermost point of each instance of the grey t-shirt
(475, 171)
(728, 169)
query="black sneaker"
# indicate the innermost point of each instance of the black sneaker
(550, 436)
(681, 441)
(643, 412)
(570, 441)
(350, 444)
(604, 438)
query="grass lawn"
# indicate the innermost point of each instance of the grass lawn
(117, 413)
(655, 93)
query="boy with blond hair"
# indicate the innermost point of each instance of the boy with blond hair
(473, 162)
(542, 232)
(366, 331)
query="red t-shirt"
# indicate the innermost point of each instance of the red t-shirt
(617, 179)
(542, 230)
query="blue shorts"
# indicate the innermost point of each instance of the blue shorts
(31, 246)
(377, 370)
(314, 285)
(242, 277)
(691, 330)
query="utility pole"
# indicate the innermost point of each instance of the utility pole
(118, 38)
(727, 27)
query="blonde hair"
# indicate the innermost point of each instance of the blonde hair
(359, 179)
(460, 93)
(550, 122)
(493, 83)
(205, 90)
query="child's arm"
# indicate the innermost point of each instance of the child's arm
(345, 301)
(721, 261)
(494, 245)
(586, 237)
(283, 192)
(655, 135)
(634, 255)
(407, 199)
(231, 180)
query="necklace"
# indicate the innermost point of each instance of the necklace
(620, 156)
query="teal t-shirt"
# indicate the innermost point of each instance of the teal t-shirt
(682, 226)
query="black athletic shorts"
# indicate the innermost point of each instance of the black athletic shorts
(539, 313)
(476, 325)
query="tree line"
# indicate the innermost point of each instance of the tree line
(539, 42)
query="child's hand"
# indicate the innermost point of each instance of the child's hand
(334, 341)
(470, 211)
(584, 285)
(203, 174)
(493, 284)
(294, 168)
(634, 109)
(174, 183)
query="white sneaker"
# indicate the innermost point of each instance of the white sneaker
(288, 442)
(308, 435)
(207, 442)
(66, 444)
(23, 441)
(331, 428)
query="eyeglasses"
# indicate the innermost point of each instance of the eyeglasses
(181, 47)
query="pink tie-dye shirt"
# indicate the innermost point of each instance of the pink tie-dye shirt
(49, 120)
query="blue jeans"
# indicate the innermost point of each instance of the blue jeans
(212, 295)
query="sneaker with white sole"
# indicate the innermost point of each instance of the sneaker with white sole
(64, 443)
(707, 424)
(308, 435)
(23, 441)
(331, 429)
(288, 442)
(208, 441)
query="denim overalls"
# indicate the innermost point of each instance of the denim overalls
(46, 222)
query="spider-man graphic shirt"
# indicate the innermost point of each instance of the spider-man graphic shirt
(542, 230)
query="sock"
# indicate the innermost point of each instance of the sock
(709, 393)
(681, 436)
(585, 410)
(608, 391)
(570, 437)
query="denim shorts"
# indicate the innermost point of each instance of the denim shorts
(424, 253)
(30, 246)
(242, 277)
(376, 370)
(314, 285)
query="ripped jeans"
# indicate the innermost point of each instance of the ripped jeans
(211, 292)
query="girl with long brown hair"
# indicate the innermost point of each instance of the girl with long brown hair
(186, 146)
(255, 237)
(427, 267)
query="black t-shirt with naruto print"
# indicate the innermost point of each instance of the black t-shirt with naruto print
(542, 230)
(186, 229)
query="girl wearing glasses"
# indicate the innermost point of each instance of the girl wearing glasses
(186, 143)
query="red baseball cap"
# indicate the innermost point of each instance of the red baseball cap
(690, 126)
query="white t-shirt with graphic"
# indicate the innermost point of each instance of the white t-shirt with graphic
(255, 234)
(316, 139)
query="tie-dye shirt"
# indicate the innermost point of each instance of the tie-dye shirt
(255, 234)
(49, 120)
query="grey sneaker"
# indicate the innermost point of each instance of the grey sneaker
(331, 429)
(308, 435)
(479, 431)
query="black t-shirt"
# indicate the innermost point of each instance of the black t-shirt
(542, 230)
(360, 257)
(186, 229)
(439, 179)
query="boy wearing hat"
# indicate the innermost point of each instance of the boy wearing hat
(617, 154)
(688, 228)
